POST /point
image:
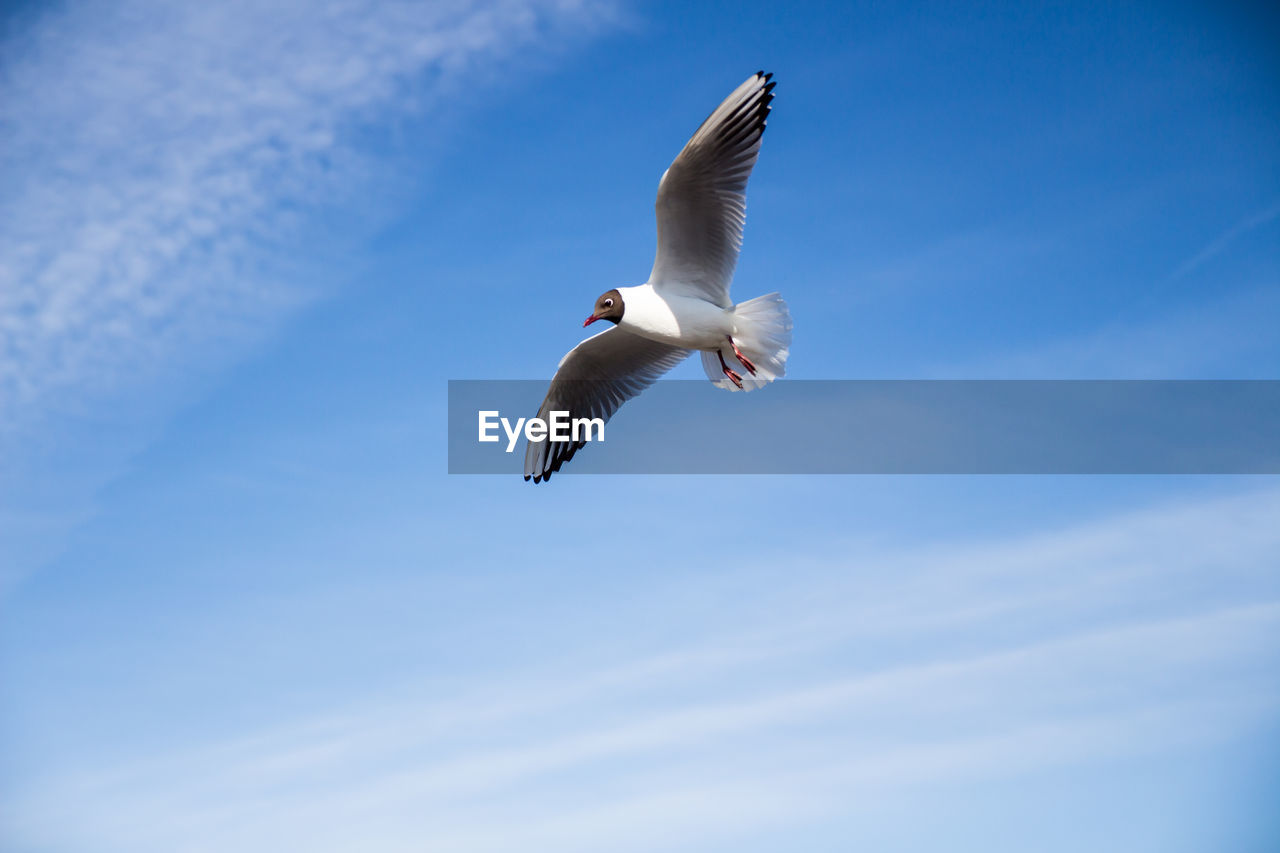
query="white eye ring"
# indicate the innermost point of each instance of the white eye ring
(608, 303)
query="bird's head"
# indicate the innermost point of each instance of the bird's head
(608, 307)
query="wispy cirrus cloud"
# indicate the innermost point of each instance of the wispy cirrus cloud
(1219, 244)
(992, 659)
(160, 160)
(176, 178)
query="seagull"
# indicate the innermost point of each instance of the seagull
(685, 304)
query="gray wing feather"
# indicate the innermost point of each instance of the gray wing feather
(702, 197)
(593, 381)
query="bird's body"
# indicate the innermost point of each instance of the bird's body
(682, 321)
(685, 304)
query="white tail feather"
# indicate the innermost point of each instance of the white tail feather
(762, 330)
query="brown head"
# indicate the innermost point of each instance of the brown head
(608, 307)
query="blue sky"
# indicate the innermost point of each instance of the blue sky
(244, 247)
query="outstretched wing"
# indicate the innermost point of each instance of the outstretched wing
(592, 381)
(702, 198)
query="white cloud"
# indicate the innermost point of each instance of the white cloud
(155, 157)
(176, 178)
(1216, 246)
(987, 659)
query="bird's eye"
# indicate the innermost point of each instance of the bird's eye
(608, 303)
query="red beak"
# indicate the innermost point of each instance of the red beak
(589, 321)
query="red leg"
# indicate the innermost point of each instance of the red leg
(746, 362)
(733, 377)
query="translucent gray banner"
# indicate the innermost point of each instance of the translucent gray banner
(895, 427)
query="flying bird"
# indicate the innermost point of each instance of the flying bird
(685, 304)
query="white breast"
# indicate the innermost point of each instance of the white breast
(677, 320)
